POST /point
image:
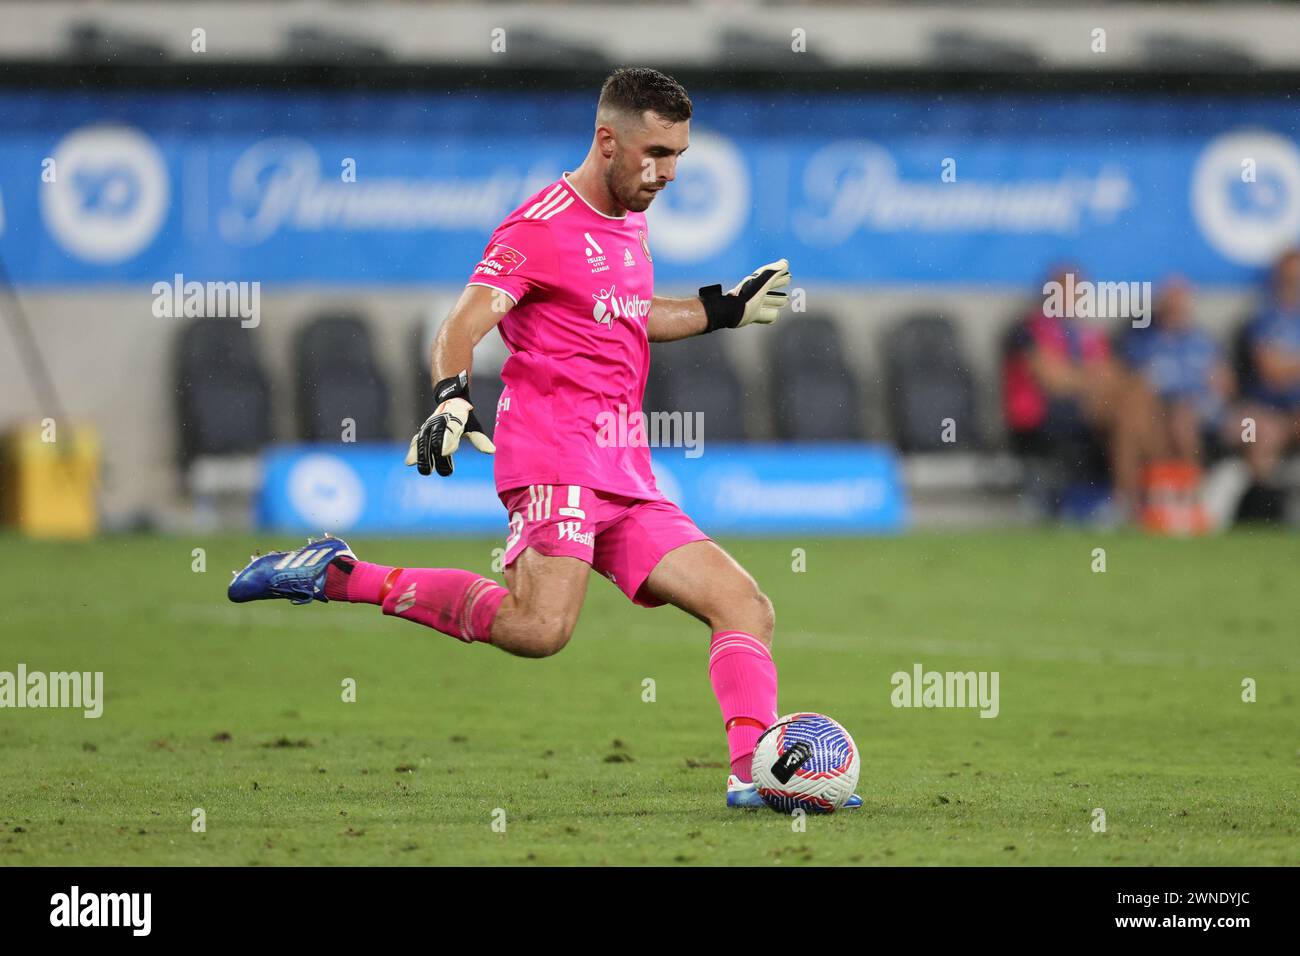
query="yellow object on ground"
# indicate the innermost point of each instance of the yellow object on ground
(49, 479)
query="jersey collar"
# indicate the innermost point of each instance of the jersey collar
(564, 178)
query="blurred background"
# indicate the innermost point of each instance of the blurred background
(208, 210)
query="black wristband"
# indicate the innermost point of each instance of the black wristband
(720, 311)
(455, 387)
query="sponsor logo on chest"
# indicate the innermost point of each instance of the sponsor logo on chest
(611, 306)
(595, 255)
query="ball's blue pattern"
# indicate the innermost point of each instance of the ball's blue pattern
(832, 753)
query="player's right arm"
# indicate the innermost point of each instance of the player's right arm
(474, 315)
(519, 259)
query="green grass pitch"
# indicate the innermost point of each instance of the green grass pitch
(1119, 691)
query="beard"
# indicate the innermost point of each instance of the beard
(631, 192)
(638, 201)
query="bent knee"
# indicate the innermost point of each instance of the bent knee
(548, 637)
(767, 617)
(750, 611)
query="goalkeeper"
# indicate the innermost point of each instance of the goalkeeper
(568, 281)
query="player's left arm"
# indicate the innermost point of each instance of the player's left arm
(672, 318)
(759, 297)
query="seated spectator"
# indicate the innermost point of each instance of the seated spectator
(1061, 385)
(1186, 369)
(1272, 389)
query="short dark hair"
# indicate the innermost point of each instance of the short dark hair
(636, 89)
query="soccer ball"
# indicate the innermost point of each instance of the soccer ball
(806, 762)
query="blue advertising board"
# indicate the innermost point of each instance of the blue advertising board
(729, 490)
(404, 187)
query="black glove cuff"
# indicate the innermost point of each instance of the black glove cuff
(720, 311)
(455, 387)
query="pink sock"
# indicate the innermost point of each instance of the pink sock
(357, 581)
(743, 675)
(459, 603)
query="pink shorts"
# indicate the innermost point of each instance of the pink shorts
(622, 538)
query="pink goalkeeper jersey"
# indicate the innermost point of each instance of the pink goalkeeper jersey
(579, 354)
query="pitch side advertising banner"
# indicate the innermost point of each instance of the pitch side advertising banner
(730, 489)
(130, 187)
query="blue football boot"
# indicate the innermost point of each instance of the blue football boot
(745, 796)
(742, 796)
(296, 575)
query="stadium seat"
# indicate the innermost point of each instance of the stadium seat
(810, 367)
(338, 378)
(225, 398)
(697, 376)
(928, 380)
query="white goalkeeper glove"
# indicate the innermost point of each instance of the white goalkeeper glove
(756, 298)
(439, 437)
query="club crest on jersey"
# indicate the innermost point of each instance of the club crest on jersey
(572, 531)
(645, 245)
(595, 255)
(610, 306)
